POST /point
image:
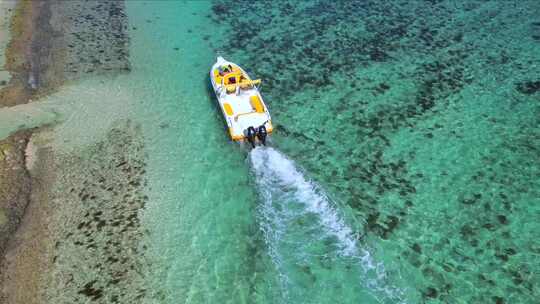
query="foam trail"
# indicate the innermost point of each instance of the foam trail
(303, 230)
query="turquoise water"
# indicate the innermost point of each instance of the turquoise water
(404, 167)
(225, 231)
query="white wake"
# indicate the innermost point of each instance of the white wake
(297, 216)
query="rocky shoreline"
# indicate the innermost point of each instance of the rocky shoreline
(49, 232)
(15, 180)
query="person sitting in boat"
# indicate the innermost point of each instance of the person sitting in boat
(244, 83)
(224, 70)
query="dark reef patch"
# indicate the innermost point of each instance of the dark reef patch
(96, 36)
(103, 228)
(430, 293)
(528, 87)
(394, 68)
(15, 184)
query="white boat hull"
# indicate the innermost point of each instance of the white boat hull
(241, 103)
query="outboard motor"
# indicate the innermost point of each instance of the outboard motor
(262, 134)
(251, 133)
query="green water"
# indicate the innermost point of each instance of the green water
(404, 168)
(216, 235)
(207, 240)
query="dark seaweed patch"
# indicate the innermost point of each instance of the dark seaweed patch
(528, 87)
(416, 247)
(502, 219)
(96, 37)
(109, 195)
(90, 291)
(443, 50)
(497, 300)
(430, 292)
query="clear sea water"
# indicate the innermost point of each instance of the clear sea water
(404, 168)
(232, 226)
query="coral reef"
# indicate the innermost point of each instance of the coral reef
(99, 193)
(420, 116)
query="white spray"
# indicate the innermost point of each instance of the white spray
(288, 197)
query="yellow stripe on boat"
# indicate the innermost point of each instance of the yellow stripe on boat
(217, 77)
(228, 109)
(235, 137)
(269, 127)
(256, 104)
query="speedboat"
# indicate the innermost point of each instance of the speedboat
(243, 108)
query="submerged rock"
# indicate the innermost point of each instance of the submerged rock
(528, 87)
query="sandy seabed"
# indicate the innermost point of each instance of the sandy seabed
(80, 200)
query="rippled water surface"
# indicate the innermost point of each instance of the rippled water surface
(404, 167)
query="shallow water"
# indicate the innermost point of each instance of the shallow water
(404, 167)
(433, 131)
(315, 252)
(213, 228)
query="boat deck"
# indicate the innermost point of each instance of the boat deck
(243, 113)
(240, 101)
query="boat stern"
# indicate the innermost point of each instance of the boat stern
(255, 133)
